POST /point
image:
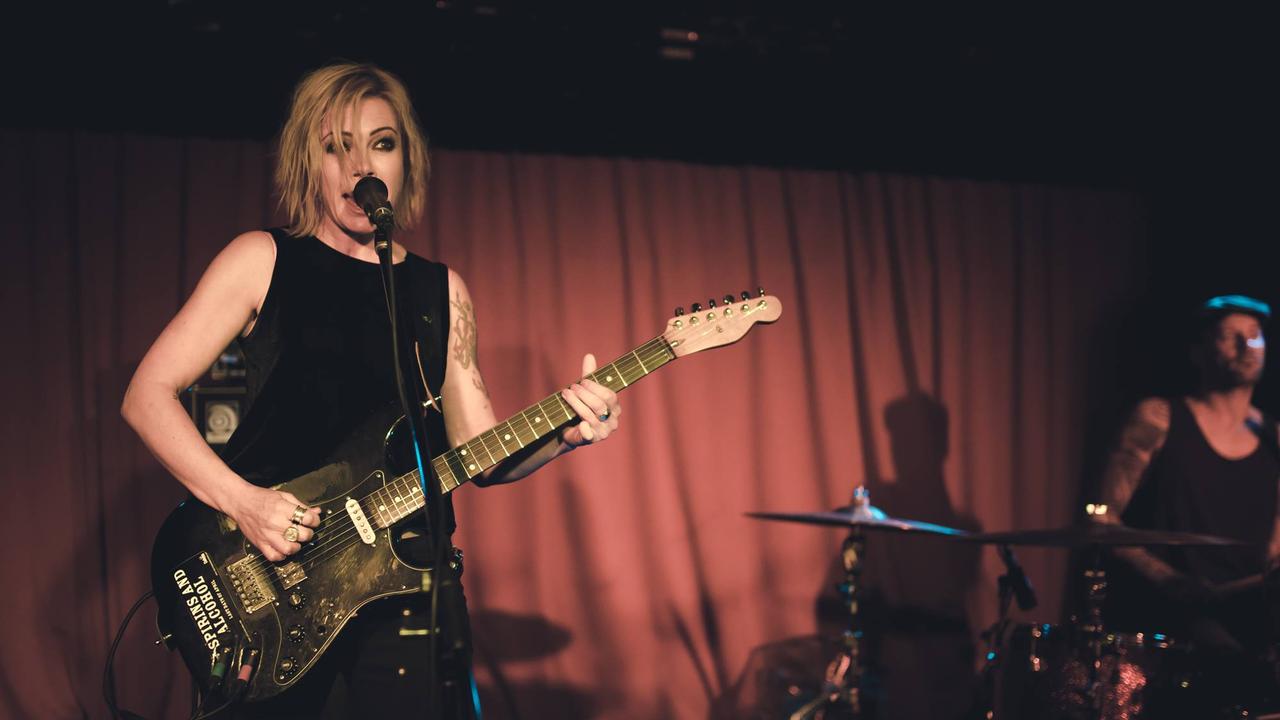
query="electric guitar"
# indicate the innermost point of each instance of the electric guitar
(250, 627)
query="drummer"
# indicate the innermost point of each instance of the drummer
(1206, 463)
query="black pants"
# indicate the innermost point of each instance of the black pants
(377, 667)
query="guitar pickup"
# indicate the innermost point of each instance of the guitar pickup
(290, 573)
(249, 584)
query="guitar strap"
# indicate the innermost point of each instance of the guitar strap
(424, 301)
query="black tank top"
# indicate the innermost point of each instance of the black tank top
(1191, 488)
(318, 360)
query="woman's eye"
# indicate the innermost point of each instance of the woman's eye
(330, 148)
(385, 143)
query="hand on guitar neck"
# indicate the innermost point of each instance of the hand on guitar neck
(596, 404)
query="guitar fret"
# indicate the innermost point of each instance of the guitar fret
(622, 381)
(445, 474)
(610, 371)
(397, 503)
(533, 432)
(493, 433)
(637, 357)
(376, 510)
(627, 367)
(477, 459)
(381, 498)
(373, 509)
(564, 409)
(467, 459)
(396, 490)
(507, 436)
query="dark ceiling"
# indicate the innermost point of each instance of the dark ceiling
(1103, 99)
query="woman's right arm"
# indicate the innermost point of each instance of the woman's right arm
(223, 305)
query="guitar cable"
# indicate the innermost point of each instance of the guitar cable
(108, 672)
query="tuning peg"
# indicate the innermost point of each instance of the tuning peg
(679, 311)
(697, 307)
(760, 291)
(728, 299)
(711, 303)
(746, 295)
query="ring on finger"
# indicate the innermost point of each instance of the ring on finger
(291, 533)
(604, 416)
(298, 512)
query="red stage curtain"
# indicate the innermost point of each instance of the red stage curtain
(934, 346)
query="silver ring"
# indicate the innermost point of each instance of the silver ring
(291, 533)
(298, 512)
(605, 416)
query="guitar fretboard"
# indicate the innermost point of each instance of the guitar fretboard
(403, 495)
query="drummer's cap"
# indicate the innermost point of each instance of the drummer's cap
(1216, 307)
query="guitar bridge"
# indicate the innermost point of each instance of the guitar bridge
(251, 585)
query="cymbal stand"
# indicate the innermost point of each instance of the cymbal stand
(995, 642)
(842, 687)
(1095, 578)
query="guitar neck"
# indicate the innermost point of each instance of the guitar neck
(403, 496)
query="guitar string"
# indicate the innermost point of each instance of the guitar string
(325, 547)
(656, 352)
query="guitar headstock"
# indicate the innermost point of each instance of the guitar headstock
(719, 323)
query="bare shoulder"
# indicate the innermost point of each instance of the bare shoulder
(254, 249)
(458, 287)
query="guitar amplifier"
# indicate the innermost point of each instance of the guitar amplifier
(216, 401)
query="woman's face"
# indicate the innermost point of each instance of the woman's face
(372, 139)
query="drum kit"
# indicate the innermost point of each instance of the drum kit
(1078, 670)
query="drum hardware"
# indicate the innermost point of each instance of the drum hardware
(1117, 668)
(842, 694)
(1011, 585)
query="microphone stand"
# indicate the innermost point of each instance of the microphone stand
(411, 402)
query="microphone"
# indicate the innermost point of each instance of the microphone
(371, 195)
(1022, 590)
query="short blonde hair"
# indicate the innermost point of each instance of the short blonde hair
(328, 93)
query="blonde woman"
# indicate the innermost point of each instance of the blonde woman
(306, 305)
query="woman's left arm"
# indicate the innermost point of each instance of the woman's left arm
(468, 412)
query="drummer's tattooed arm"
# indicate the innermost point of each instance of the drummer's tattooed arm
(1141, 438)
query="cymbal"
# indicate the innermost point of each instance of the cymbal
(1095, 534)
(867, 517)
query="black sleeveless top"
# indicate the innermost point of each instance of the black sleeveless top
(318, 357)
(1191, 488)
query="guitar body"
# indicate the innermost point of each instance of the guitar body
(222, 605)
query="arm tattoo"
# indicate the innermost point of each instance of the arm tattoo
(1141, 438)
(1129, 462)
(464, 334)
(479, 383)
